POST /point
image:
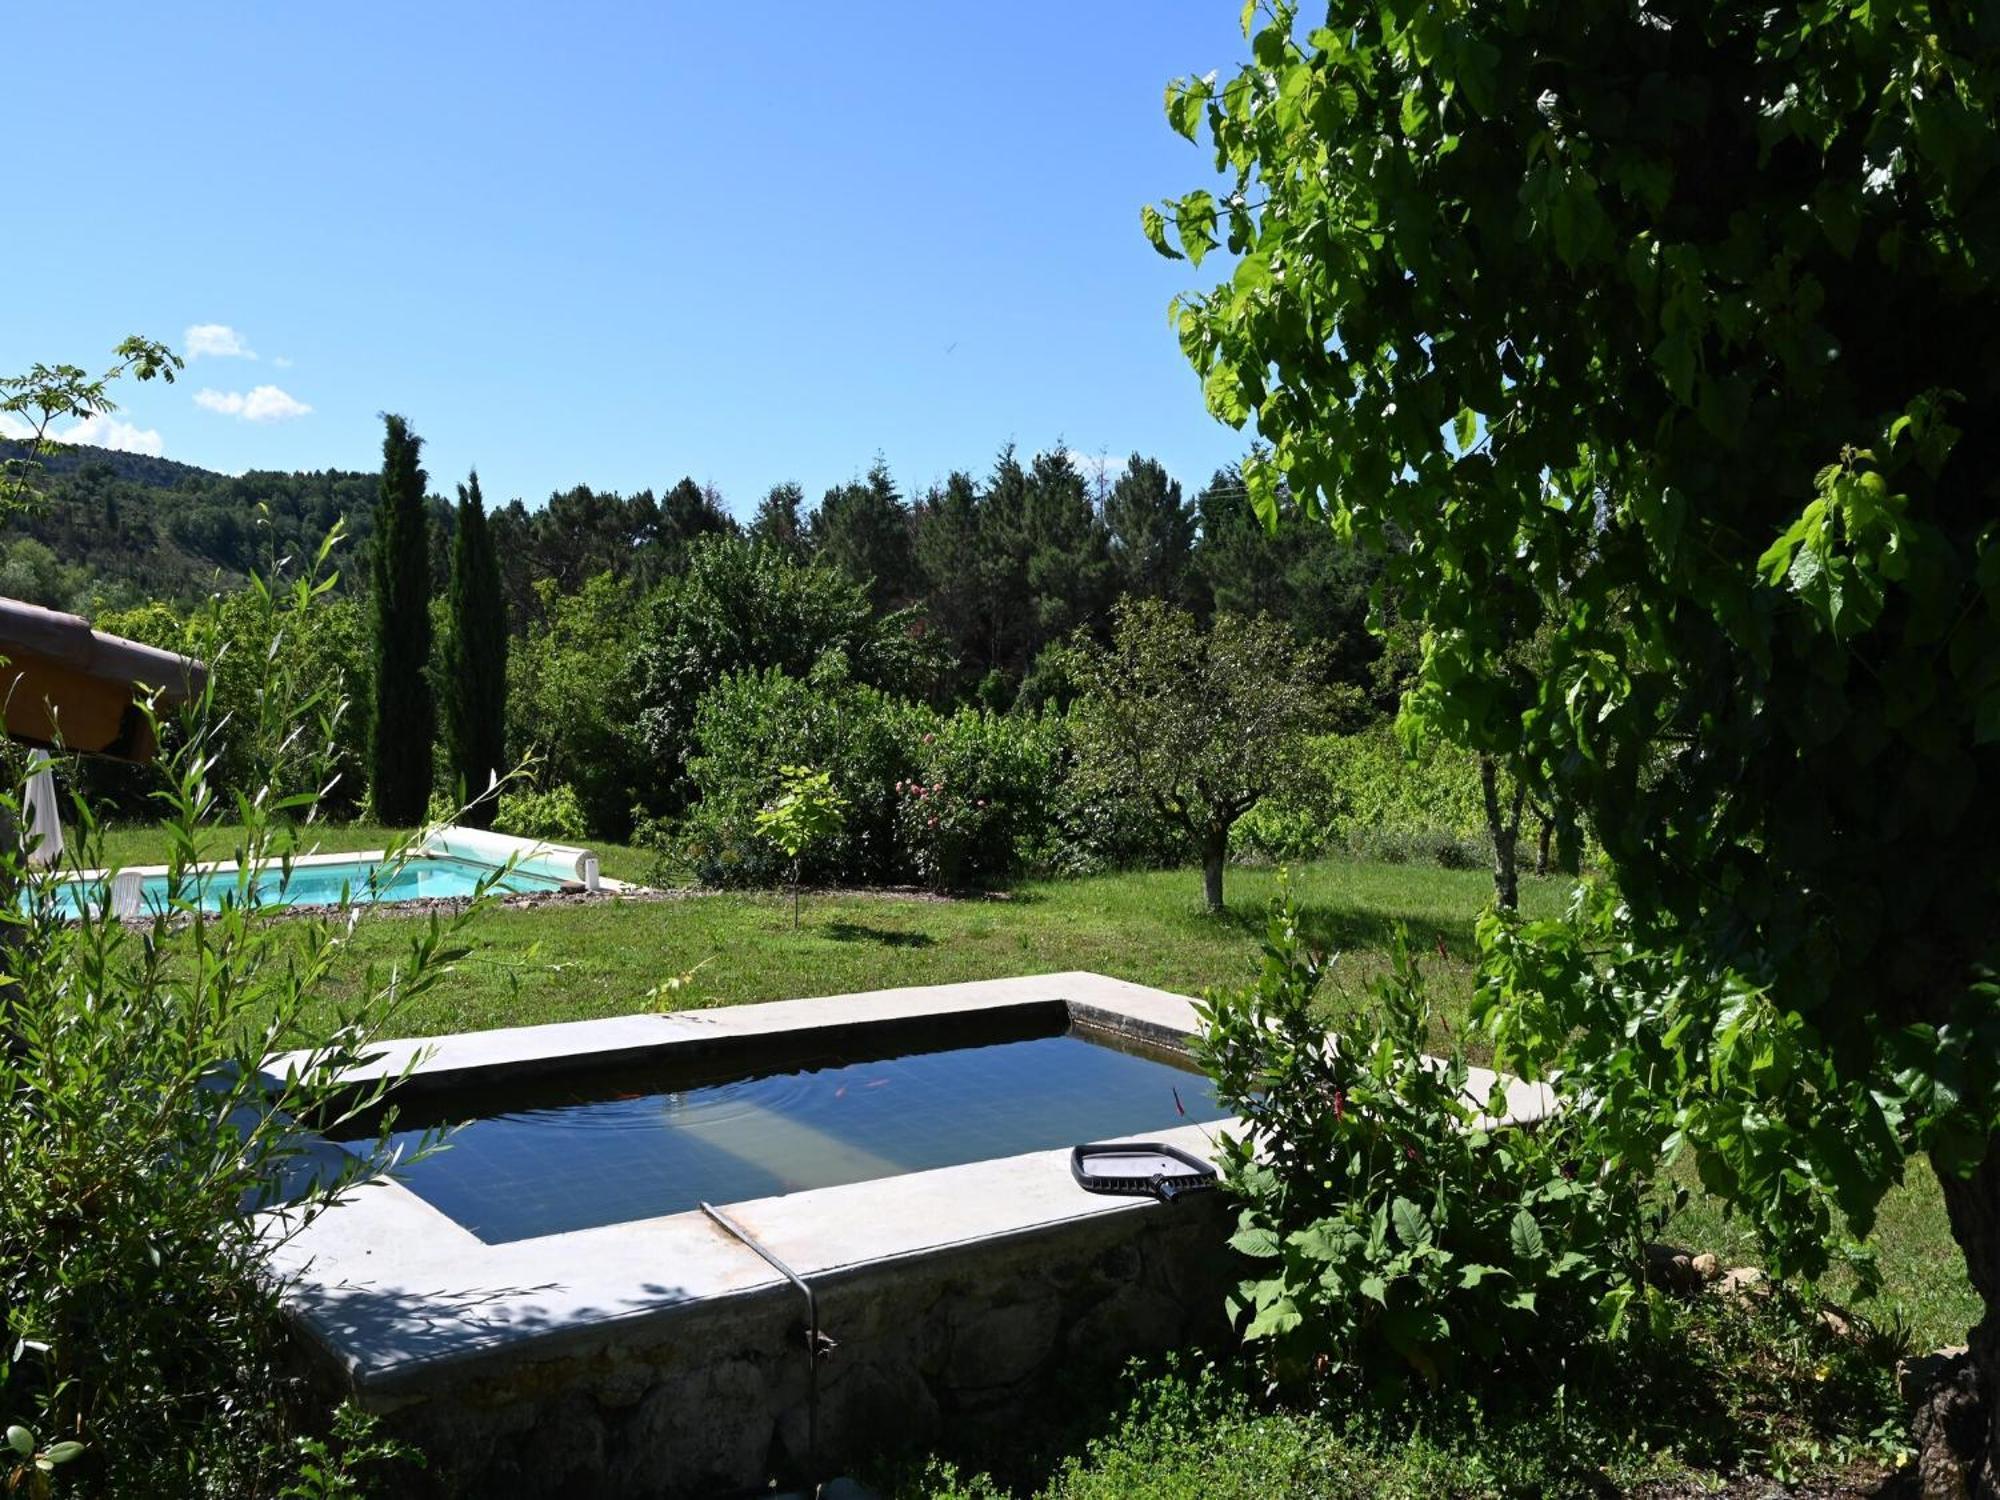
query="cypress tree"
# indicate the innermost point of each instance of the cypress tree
(402, 726)
(473, 694)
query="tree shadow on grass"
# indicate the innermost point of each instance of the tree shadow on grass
(886, 937)
(1332, 930)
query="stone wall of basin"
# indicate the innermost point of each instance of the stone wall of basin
(710, 1397)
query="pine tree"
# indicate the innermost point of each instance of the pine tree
(1004, 545)
(864, 529)
(401, 729)
(690, 510)
(1152, 532)
(473, 694)
(779, 521)
(1070, 576)
(948, 522)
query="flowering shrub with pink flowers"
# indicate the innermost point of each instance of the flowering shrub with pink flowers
(976, 810)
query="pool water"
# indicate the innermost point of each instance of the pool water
(362, 881)
(637, 1145)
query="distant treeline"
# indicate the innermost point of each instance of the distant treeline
(989, 569)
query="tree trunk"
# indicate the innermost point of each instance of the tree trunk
(1569, 841)
(1505, 832)
(1214, 848)
(1957, 1426)
(1544, 837)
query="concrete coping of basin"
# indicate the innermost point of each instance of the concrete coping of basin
(395, 1292)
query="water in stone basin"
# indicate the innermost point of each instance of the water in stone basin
(636, 1144)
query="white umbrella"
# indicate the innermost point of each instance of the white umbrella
(45, 830)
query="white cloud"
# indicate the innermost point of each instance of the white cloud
(216, 341)
(264, 403)
(281, 362)
(109, 432)
(98, 432)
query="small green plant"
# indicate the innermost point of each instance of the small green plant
(30, 1466)
(1394, 1228)
(806, 812)
(343, 1464)
(149, 1155)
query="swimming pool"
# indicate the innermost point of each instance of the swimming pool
(637, 1143)
(449, 865)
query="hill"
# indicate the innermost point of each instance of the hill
(113, 528)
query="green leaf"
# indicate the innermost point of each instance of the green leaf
(62, 1453)
(1375, 1289)
(1416, 112)
(1525, 1235)
(1675, 357)
(1466, 428)
(1413, 1228)
(1470, 1276)
(1195, 218)
(1281, 1316)
(1225, 393)
(1155, 226)
(21, 1440)
(1186, 102)
(1255, 1240)
(1262, 483)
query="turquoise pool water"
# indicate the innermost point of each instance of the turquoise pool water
(542, 1158)
(362, 881)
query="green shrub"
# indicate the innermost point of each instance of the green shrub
(747, 607)
(1393, 1231)
(977, 809)
(751, 725)
(236, 634)
(572, 704)
(1093, 828)
(1366, 793)
(554, 814)
(141, 1130)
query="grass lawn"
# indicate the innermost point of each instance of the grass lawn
(562, 963)
(569, 962)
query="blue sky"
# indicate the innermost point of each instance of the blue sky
(617, 244)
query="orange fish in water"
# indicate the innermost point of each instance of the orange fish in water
(623, 1095)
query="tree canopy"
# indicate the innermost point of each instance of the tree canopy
(1199, 725)
(1672, 327)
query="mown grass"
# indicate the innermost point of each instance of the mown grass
(571, 962)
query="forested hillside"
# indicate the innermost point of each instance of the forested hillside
(113, 529)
